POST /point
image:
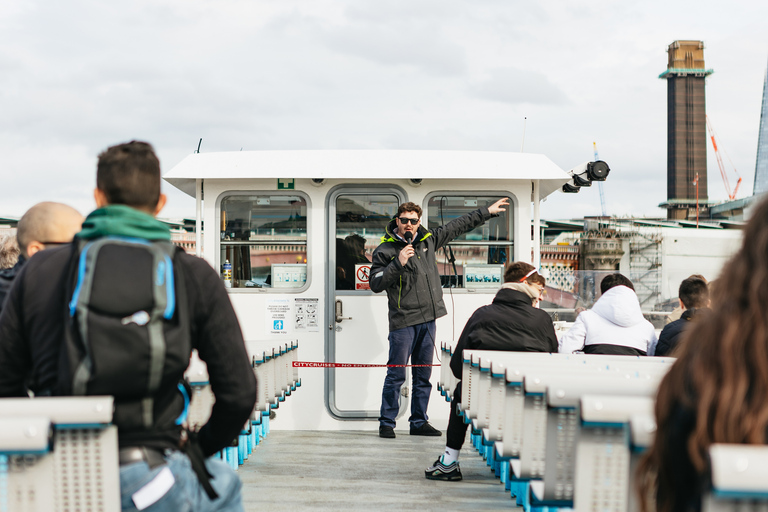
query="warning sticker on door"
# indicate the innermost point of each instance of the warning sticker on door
(362, 276)
(305, 314)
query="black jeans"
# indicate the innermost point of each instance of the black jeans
(457, 429)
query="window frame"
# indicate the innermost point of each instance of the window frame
(220, 243)
(511, 211)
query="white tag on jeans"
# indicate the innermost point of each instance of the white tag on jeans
(154, 490)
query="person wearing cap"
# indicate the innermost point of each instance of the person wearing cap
(510, 323)
(405, 266)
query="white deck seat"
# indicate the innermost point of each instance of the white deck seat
(604, 462)
(78, 470)
(276, 380)
(738, 478)
(538, 423)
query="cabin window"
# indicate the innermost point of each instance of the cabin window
(264, 241)
(474, 260)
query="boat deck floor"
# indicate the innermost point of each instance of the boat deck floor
(357, 470)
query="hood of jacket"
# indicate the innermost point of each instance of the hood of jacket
(121, 220)
(620, 306)
(390, 236)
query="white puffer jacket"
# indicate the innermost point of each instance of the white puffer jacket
(615, 319)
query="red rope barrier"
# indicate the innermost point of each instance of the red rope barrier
(310, 364)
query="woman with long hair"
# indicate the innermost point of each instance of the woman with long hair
(717, 390)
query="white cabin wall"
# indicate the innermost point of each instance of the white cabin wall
(305, 409)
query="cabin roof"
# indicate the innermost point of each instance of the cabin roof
(367, 165)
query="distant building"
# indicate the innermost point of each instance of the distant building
(686, 130)
(761, 166)
(655, 254)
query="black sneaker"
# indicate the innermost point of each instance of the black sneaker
(386, 432)
(439, 471)
(425, 430)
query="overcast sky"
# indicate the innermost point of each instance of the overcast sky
(79, 76)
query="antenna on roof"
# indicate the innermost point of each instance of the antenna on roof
(199, 144)
(523, 141)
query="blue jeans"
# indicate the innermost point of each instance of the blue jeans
(187, 494)
(416, 342)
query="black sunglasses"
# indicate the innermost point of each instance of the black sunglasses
(406, 220)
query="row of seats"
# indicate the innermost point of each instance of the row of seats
(276, 378)
(58, 454)
(61, 454)
(565, 431)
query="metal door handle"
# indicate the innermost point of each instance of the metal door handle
(340, 313)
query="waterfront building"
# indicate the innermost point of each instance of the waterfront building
(686, 130)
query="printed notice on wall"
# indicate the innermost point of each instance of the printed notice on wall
(305, 312)
(278, 316)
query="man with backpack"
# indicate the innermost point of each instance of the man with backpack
(117, 312)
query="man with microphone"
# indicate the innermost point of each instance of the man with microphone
(405, 266)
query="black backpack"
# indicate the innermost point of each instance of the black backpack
(128, 328)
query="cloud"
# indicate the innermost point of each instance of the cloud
(515, 86)
(419, 35)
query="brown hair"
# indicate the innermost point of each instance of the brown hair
(409, 207)
(721, 380)
(537, 278)
(129, 174)
(517, 270)
(694, 292)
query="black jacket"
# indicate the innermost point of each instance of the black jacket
(32, 328)
(414, 292)
(508, 323)
(670, 335)
(7, 275)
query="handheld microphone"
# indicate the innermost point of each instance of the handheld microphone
(408, 237)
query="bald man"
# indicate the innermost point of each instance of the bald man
(44, 225)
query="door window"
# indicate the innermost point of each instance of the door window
(361, 221)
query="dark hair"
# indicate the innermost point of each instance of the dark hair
(720, 379)
(693, 292)
(516, 271)
(409, 207)
(613, 280)
(129, 174)
(537, 278)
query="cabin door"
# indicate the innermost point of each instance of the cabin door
(357, 318)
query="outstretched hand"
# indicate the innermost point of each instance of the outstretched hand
(498, 207)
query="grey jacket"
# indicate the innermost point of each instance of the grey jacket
(414, 291)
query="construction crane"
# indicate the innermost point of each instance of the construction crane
(727, 184)
(600, 183)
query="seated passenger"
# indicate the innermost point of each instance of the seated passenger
(43, 226)
(43, 349)
(510, 323)
(694, 302)
(615, 324)
(715, 392)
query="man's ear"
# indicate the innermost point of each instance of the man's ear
(682, 306)
(33, 248)
(100, 198)
(160, 204)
